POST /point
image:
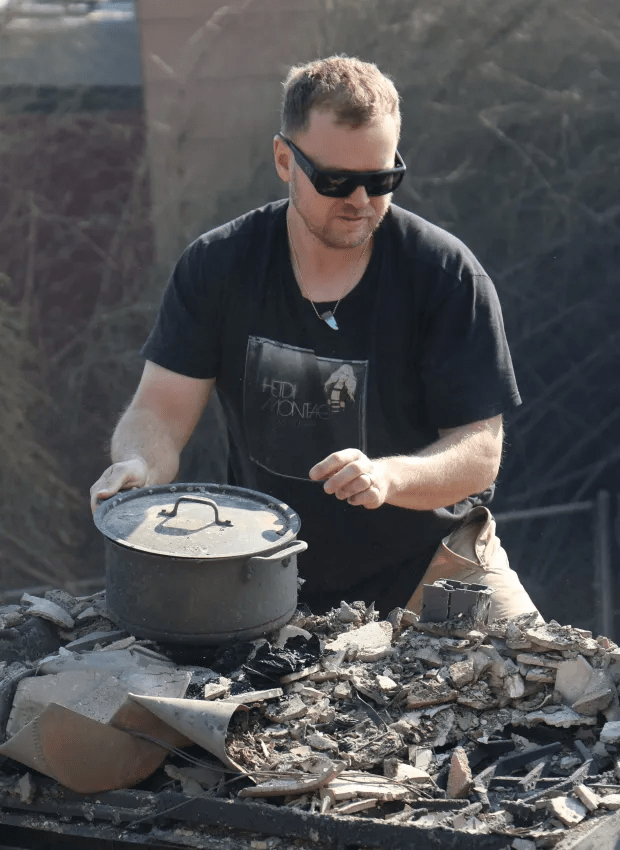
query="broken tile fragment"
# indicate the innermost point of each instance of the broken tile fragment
(387, 684)
(561, 638)
(342, 691)
(597, 696)
(514, 686)
(26, 788)
(356, 806)
(321, 742)
(611, 801)
(534, 660)
(515, 638)
(287, 632)
(282, 786)
(307, 672)
(588, 797)
(347, 614)
(462, 673)
(563, 717)
(214, 690)
(568, 810)
(311, 693)
(421, 757)
(460, 780)
(47, 610)
(194, 780)
(291, 708)
(351, 784)
(540, 675)
(366, 639)
(472, 825)
(401, 772)
(478, 697)
(610, 733)
(89, 641)
(425, 693)
(256, 696)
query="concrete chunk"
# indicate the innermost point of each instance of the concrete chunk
(460, 781)
(290, 709)
(215, 690)
(567, 809)
(563, 717)
(26, 789)
(366, 639)
(572, 679)
(462, 673)
(351, 784)
(254, 696)
(610, 733)
(402, 772)
(587, 796)
(425, 693)
(597, 696)
(611, 801)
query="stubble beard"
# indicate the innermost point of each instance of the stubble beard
(325, 235)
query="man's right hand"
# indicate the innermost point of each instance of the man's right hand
(125, 475)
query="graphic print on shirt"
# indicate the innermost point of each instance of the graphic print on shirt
(298, 408)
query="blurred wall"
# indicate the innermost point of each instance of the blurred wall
(212, 77)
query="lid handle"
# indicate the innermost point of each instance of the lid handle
(203, 501)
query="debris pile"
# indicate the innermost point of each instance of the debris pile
(510, 728)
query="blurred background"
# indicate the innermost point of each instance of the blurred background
(128, 128)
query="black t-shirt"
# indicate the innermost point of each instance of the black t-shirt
(420, 346)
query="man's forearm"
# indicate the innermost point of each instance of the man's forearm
(460, 463)
(141, 434)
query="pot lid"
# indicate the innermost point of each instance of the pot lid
(197, 521)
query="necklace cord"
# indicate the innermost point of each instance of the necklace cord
(329, 314)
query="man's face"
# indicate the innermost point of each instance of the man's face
(339, 222)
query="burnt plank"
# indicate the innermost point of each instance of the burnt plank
(173, 807)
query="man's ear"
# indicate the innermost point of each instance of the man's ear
(283, 157)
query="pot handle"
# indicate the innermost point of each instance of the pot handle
(283, 555)
(203, 501)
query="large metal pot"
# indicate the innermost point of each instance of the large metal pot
(199, 563)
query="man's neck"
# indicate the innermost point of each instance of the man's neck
(327, 272)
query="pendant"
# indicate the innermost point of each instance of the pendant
(328, 318)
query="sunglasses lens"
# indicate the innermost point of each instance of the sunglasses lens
(384, 184)
(335, 187)
(342, 187)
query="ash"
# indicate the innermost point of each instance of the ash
(510, 728)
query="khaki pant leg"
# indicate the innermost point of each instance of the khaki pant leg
(473, 554)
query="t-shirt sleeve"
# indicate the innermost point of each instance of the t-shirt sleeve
(186, 334)
(467, 368)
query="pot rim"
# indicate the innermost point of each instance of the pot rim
(290, 518)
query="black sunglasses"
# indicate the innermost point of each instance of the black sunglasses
(341, 184)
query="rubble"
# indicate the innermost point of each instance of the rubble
(460, 782)
(503, 729)
(48, 610)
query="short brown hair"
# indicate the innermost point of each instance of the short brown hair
(356, 91)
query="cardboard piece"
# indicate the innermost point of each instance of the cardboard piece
(202, 721)
(83, 754)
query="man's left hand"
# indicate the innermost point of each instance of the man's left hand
(352, 476)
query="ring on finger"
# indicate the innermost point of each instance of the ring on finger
(369, 477)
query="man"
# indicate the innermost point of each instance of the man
(358, 352)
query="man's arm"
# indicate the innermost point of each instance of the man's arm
(148, 440)
(463, 461)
